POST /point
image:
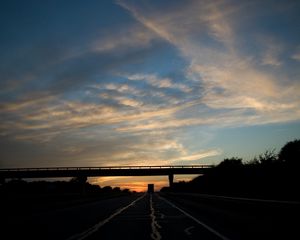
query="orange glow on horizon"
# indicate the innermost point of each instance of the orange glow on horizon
(138, 184)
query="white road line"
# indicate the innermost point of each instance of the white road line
(155, 235)
(255, 199)
(245, 199)
(93, 229)
(196, 220)
(188, 230)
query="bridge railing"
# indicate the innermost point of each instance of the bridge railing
(104, 168)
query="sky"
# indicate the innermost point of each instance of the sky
(118, 83)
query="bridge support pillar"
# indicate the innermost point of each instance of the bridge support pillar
(171, 179)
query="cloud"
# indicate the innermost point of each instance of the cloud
(183, 23)
(230, 79)
(159, 82)
(129, 102)
(271, 59)
(296, 54)
(164, 124)
(195, 157)
(133, 37)
(271, 52)
(59, 71)
(29, 102)
(34, 120)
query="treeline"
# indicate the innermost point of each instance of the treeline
(19, 197)
(76, 186)
(269, 175)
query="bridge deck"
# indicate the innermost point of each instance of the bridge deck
(102, 171)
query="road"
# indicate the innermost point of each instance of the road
(157, 216)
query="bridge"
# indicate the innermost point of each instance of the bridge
(84, 172)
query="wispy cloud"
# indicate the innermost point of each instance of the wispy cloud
(231, 80)
(132, 37)
(156, 81)
(270, 58)
(296, 55)
(195, 157)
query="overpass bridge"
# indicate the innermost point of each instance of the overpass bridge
(84, 172)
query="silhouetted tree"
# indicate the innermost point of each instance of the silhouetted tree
(107, 189)
(290, 153)
(269, 175)
(79, 179)
(116, 189)
(126, 190)
(269, 157)
(231, 163)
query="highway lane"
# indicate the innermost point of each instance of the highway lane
(146, 216)
(242, 218)
(59, 224)
(151, 217)
(161, 216)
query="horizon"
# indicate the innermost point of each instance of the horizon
(109, 83)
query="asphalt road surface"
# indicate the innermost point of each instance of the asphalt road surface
(156, 216)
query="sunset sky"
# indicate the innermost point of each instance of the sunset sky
(114, 83)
